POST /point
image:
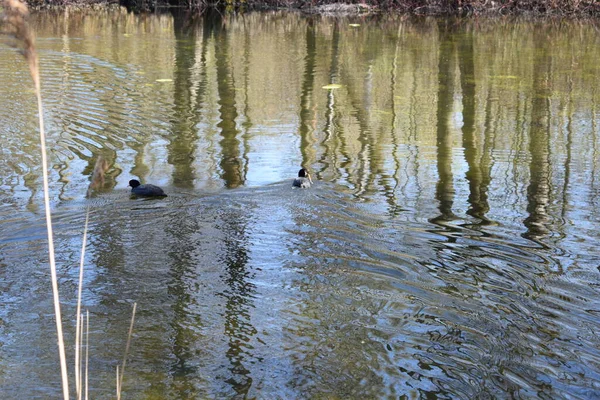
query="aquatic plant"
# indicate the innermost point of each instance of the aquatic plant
(13, 23)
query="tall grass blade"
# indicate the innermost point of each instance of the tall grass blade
(14, 21)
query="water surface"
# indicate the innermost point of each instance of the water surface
(448, 248)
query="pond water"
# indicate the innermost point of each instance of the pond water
(448, 248)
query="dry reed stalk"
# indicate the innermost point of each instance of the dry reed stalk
(78, 364)
(97, 181)
(87, 347)
(14, 20)
(118, 385)
(120, 377)
(79, 328)
(14, 24)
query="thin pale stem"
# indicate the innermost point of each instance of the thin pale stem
(57, 313)
(78, 327)
(79, 364)
(118, 385)
(127, 347)
(87, 347)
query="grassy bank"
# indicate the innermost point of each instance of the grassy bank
(583, 8)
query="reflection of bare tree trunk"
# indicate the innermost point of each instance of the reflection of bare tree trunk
(594, 167)
(240, 289)
(569, 149)
(247, 124)
(367, 155)
(477, 175)
(185, 334)
(307, 117)
(389, 189)
(184, 136)
(333, 131)
(63, 171)
(370, 157)
(445, 188)
(411, 136)
(238, 296)
(231, 161)
(181, 155)
(538, 192)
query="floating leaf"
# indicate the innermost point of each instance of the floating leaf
(332, 86)
(354, 25)
(127, 34)
(164, 80)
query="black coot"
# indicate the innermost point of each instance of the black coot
(146, 190)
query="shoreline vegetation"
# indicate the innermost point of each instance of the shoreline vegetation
(536, 8)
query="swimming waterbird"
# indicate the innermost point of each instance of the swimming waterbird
(303, 180)
(146, 190)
